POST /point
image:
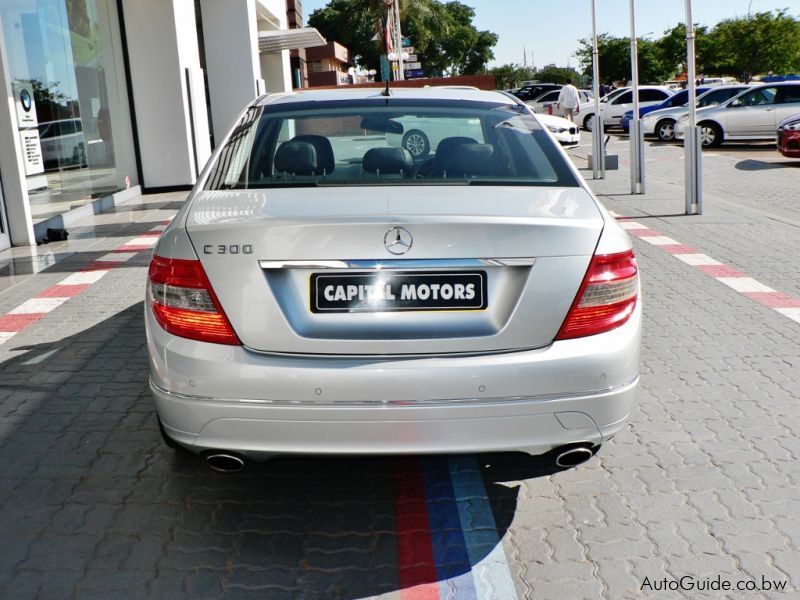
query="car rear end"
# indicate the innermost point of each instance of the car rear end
(322, 292)
(789, 137)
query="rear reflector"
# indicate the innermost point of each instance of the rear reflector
(606, 298)
(184, 303)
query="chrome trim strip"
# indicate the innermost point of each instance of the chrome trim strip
(379, 404)
(431, 263)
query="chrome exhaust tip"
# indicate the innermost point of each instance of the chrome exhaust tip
(224, 463)
(573, 457)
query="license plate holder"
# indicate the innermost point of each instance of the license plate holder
(398, 291)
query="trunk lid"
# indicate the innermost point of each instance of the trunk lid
(261, 250)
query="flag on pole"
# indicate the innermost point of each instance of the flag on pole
(389, 31)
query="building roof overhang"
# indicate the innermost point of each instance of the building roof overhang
(289, 39)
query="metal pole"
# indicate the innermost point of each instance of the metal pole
(691, 138)
(598, 151)
(401, 75)
(637, 166)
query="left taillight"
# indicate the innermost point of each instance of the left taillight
(184, 303)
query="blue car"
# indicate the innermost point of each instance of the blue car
(679, 99)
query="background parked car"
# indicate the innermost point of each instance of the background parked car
(531, 92)
(678, 100)
(661, 122)
(752, 115)
(63, 143)
(547, 102)
(617, 103)
(789, 137)
(565, 131)
(421, 135)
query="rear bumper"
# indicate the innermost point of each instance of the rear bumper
(789, 144)
(528, 425)
(210, 396)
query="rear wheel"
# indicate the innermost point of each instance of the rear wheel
(587, 122)
(417, 143)
(710, 135)
(665, 130)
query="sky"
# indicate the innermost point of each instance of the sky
(547, 31)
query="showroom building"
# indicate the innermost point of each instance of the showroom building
(106, 98)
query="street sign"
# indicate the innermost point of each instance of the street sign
(412, 66)
(410, 50)
(412, 58)
(415, 73)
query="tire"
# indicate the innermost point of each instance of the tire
(587, 122)
(417, 143)
(665, 130)
(710, 135)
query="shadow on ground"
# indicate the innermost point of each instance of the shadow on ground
(94, 503)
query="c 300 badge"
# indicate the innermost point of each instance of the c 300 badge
(228, 249)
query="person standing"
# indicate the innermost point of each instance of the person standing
(569, 100)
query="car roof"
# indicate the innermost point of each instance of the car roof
(429, 93)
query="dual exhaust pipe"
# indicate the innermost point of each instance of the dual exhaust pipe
(566, 457)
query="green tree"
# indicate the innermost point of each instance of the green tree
(558, 75)
(442, 33)
(671, 49)
(767, 41)
(615, 59)
(511, 75)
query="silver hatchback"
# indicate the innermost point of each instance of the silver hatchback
(324, 291)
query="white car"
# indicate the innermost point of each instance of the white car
(751, 116)
(547, 103)
(63, 144)
(422, 134)
(618, 102)
(661, 123)
(565, 131)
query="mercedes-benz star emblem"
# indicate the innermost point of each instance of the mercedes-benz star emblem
(397, 240)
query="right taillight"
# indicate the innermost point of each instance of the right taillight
(184, 303)
(606, 298)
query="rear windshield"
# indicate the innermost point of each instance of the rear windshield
(390, 145)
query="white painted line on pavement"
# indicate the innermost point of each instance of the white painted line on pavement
(38, 305)
(149, 240)
(792, 313)
(83, 277)
(6, 335)
(659, 240)
(744, 284)
(697, 260)
(632, 225)
(117, 256)
(41, 358)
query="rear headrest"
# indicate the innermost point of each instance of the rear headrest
(325, 159)
(468, 160)
(298, 158)
(388, 161)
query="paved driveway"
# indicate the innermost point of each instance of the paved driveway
(702, 483)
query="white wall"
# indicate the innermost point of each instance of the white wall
(162, 43)
(231, 50)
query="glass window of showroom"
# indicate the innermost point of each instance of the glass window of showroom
(65, 56)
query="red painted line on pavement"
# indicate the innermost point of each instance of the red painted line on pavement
(63, 291)
(774, 299)
(415, 562)
(17, 323)
(720, 271)
(102, 265)
(679, 249)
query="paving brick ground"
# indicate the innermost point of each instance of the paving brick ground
(702, 482)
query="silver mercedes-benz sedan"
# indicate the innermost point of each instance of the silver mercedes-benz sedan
(323, 291)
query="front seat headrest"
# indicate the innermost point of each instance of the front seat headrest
(298, 158)
(388, 161)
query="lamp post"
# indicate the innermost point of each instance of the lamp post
(636, 138)
(598, 151)
(693, 152)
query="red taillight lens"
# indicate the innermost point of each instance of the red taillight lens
(184, 303)
(606, 298)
